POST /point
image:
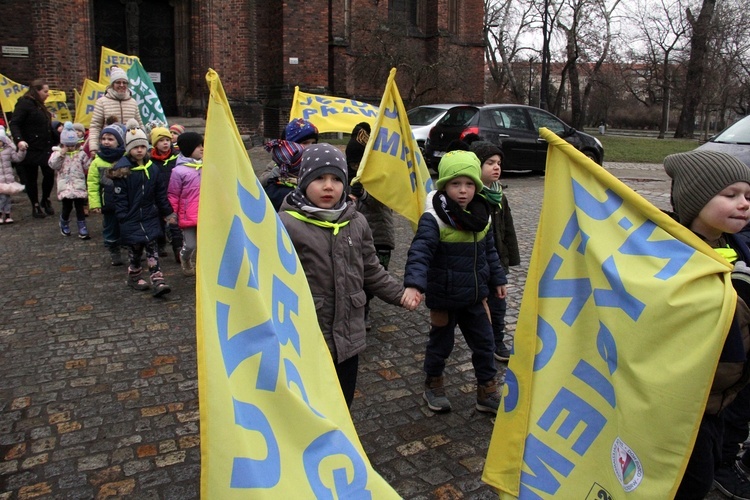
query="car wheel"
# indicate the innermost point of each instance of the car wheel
(590, 154)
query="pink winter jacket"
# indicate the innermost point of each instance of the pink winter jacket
(8, 153)
(71, 170)
(184, 190)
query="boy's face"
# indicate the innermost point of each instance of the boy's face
(491, 170)
(461, 190)
(197, 153)
(727, 212)
(138, 152)
(175, 135)
(163, 145)
(108, 141)
(325, 191)
(79, 134)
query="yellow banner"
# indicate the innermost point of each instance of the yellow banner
(111, 58)
(10, 91)
(87, 99)
(57, 104)
(331, 114)
(621, 325)
(274, 423)
(392, 168)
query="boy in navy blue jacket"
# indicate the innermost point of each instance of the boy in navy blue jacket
(140, 201)
(454, 261)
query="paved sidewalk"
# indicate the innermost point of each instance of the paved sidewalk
(98, 387)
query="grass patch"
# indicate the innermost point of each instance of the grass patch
(643, 149)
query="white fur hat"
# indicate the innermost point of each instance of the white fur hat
(117, 73)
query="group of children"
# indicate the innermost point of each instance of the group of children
(454, 258)
(147, 192)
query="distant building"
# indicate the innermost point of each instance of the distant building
(260, 49)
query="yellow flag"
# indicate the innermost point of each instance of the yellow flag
(10, 91)
(392, 169)
(87, 99)
(331, 114)
(111, 58)
(621, 325)
(274, 423)
(57, 105)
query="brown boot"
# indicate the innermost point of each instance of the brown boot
(434, 394)
(488, 397)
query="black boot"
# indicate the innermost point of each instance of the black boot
(36, 212)
(47, 206)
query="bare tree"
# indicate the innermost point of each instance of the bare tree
(701, 33)
(506, 22)
(662, 32)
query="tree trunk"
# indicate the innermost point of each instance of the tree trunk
(696, 67)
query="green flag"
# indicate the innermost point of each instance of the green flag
(144, 92)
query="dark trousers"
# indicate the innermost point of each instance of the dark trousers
(736, 417)
(347, 373)
(705, 457)
(135, 254)
(28, 171)
(110, 230)
(497, 307)
(476, 328)
(67, 208)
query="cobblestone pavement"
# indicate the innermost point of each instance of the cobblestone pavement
(98, 388)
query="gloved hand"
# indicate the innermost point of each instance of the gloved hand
(357, 190)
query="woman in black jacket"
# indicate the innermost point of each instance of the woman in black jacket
(31, 126)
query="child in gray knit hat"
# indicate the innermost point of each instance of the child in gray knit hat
(711, 196)
(334, 244)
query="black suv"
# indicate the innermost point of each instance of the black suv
(514, 128)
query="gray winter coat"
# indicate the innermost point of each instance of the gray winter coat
(339, 269)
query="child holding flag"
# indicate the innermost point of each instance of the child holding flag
(334, 245)
(503, 232)
(70, 164)
(711, 197)
(453, 260)
(140, 200)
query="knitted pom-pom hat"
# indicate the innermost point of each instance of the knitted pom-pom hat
(135, 136)
(459, 164)
(699, 175)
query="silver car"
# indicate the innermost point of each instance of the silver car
(423, 118)
(734, 140)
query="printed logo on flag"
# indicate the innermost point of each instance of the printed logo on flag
(627, 467)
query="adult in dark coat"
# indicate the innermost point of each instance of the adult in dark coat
(31, 126)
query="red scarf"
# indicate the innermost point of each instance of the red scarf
(155, 155)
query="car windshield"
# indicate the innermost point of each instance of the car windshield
(423, 115)
(739, 133)
(457, 117)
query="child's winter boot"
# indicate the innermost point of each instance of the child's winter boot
(186, 263)
(158, 286)
(434, 394)
(83, 231)
(135, 281)
(488, 397)
(64, 227)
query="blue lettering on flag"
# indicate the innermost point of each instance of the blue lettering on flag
(676, 252)
(548, 337)
(248, 472)
(576, 411)
(293, 377)
(538, 456)
(335, 443)
(577, 289)
(385, 144)
(594, 379)
(607, 347)
(617, 297)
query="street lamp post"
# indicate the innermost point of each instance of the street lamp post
(531, 62)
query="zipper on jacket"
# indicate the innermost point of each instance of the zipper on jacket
(476, 278)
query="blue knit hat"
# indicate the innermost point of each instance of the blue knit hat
(117, 130)
(68, 136)
(300, 130)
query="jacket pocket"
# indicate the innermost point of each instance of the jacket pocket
(359, 299)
